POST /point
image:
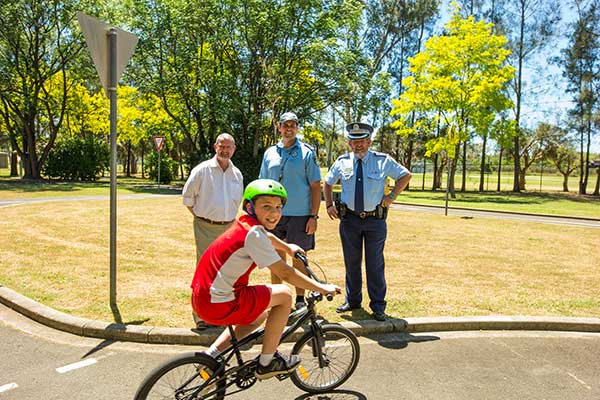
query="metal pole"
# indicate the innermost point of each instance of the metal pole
(447, 186)
(112, 95)
(159, 171)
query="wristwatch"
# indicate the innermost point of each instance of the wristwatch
(314, 216)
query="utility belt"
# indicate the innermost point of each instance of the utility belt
(379, 212)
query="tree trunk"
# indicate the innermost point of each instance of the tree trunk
(597, 188)
(522, 178)
(463, 186)
(482, 166)
(451, 175)
(128, 161)
(14, 164)
(520, 57)
(436, 174)
(408, 159)
(565, 182)
(499, 168)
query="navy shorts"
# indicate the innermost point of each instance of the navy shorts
(292, 229)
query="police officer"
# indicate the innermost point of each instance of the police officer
(362, 211)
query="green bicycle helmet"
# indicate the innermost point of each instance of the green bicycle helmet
(263, 187)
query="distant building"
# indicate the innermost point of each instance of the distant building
(4, 160)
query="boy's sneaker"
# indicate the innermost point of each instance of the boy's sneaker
(300, 305)
(280, 364)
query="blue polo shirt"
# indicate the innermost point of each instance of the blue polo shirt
(376, 168)
(295, 167)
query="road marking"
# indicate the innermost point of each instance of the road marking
(7, 387)
(80, 364)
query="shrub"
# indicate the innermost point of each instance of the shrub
(77, 158)
(168, 167)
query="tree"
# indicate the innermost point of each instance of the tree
(564, 156)
(458, 80)
(528, 24)
(581, 63)
(535, 146)
(37, 43)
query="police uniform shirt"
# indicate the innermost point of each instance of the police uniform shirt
(376, 168)
(295, 167)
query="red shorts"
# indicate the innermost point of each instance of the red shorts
(248, 305)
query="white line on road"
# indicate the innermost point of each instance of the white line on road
(7, 387)
(80, 364)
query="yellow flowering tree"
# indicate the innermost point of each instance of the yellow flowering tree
(458, 81)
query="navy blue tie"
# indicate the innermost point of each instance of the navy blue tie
(359, 202)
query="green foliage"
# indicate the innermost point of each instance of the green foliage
(78, 158)
(248, 164)
(168, 167)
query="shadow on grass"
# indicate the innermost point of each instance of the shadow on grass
(27, 186)
(48, 185)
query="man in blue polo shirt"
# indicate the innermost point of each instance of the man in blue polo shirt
(362, 211)
(294, 164)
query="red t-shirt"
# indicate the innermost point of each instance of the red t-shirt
(220, 291)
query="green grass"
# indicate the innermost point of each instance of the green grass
(551, 203)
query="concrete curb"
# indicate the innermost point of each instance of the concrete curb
(159, 335)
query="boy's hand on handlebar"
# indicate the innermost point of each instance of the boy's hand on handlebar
(294, 248)
(330, 288)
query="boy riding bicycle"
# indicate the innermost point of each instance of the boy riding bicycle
(220, 291)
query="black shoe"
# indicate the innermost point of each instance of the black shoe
(280, 364)
(300, 305)
(346, 307)
(379, 316)
(200, 324)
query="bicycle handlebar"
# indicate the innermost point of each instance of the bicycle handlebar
(304, 260)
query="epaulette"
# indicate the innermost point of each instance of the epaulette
(379, 154)
(307, 145)
(344, 156)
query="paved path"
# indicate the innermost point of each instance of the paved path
(471, 213)
(38, 362)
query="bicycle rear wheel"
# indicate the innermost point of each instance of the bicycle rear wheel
(341, 353)
(180, 378)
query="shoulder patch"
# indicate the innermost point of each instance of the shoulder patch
(379, 154)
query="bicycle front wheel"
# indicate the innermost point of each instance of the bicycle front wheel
(182, 378)
(340, 354)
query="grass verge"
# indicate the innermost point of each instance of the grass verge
(436, 266)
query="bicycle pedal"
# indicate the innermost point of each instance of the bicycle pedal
(282, 377)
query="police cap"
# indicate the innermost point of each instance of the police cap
(358, 130)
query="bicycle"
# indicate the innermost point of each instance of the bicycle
(329, 354)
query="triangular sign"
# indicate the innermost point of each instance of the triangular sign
(95, 32)
(159, 141)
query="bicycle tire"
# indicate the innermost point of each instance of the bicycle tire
(342, 351)
(165, 379)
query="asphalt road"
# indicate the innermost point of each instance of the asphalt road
(470, 213)
(40, 363)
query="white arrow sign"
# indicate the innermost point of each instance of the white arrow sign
(95, 32)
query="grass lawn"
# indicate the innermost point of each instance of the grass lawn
(57, 253)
